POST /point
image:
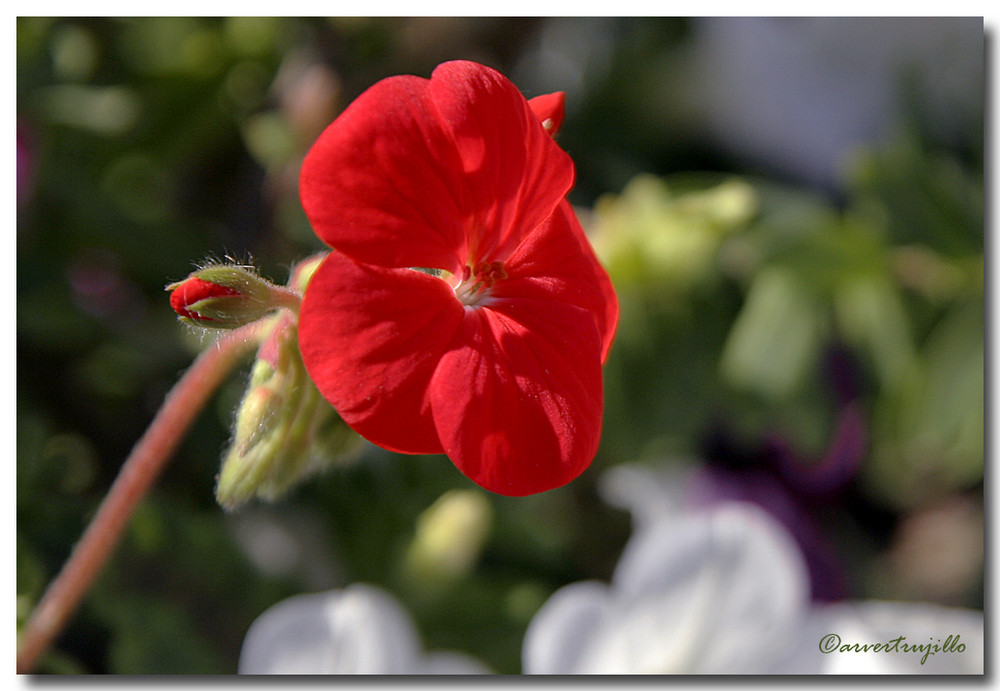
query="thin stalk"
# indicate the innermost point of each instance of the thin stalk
(182, 404)
(286, 297)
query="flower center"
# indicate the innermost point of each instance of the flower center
(476, 283)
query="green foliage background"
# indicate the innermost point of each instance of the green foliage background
(148, 144)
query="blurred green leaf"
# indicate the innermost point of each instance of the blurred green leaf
(931, 431)
(928, 195)
(154, 636)
(650, 236)
(871, 317)
(776, 338)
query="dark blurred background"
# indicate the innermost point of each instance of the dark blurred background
(792, 212)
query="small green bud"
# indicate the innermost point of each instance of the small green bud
(304, 271)
(285, 430)
(258, 413)
(449, 538)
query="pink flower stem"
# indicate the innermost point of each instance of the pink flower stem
(179, 409)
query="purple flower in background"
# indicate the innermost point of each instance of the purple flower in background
(795, 491)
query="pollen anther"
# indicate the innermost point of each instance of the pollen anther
(476, 282)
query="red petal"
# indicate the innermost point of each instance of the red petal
(550, 109)
(370, 339)
(517, 400)
(557, 263)
(435, 173)
(383, 183)
(516, 173)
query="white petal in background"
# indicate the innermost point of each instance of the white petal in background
(719, 590)
(725, 591)
(358, 630)
(559, 638)
(714, 592)
(649, 494)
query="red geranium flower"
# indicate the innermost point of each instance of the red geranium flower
(491, 350)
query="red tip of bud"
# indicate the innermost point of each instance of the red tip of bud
(193, 290)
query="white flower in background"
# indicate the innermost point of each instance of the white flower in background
(358, 630)
(724, 590)
(702, 593)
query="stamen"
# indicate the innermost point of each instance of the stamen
(476, 283)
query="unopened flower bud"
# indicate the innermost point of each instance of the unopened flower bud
(258, 413)
(226, 296)
(304, 270)
(450, 537)
(285, 430)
